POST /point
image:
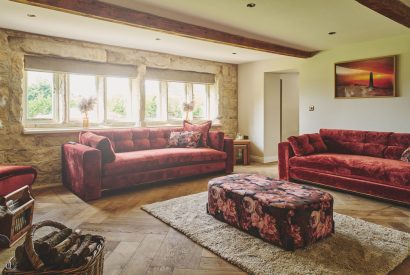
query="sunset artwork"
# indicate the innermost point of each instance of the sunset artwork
(366, 78)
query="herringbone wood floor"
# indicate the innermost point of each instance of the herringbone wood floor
(137, 243)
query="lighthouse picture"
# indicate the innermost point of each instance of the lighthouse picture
(366, 78)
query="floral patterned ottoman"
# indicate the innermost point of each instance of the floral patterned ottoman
(286, 214)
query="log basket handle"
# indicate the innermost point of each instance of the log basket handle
(35, 260)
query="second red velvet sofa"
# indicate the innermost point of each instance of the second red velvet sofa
(141, 156)
(359, 161)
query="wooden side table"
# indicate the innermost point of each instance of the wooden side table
(243, 145)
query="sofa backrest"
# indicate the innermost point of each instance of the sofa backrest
(135, 139)
(376, 144)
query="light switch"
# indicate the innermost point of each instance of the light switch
(311, 108)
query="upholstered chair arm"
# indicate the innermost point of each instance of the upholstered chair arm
(285, 152)
(228, 149)
(81, 169)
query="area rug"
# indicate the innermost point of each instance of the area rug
(357, 247)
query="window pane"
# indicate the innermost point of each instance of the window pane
(200, 101)
(82, 87)
(176, 98)
(118, 98)
(152, 99)
(40, 86)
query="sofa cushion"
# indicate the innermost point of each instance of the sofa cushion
(317, 142)
(140, 138)
(184, 139)
(376, 143)
(396, 145)
(386, 171)
(203, 128)
(344, 141)
(101, 143)
(123, 140)
(145, 160)
(300, 145)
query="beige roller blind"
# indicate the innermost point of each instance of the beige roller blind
(44, 63)
(180, 76)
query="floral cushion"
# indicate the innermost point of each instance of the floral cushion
(406, 155)
(203, 128)
(185, 139)
(286, 214)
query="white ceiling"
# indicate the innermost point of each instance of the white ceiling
(298, 23)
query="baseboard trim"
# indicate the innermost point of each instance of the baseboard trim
(260, 159)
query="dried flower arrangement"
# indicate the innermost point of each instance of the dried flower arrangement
(86, 105)
(187, 108)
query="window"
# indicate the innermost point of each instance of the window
(164, 100)
(152, 100)
(53, 99)
(201, 99)
(40, 96)
(118, 99)
(81, 86)
(176, 97)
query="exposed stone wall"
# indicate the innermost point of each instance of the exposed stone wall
(44, 151)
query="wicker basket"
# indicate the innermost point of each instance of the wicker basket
(93, 267)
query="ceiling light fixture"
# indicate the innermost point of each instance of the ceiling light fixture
(251, 5)
(331, 33)
(31, 15)
(233, 53)
(158, 39)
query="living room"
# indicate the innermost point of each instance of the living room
(175, 133)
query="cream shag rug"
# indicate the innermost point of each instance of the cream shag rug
(357, 247)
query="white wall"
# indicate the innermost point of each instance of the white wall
(271, 116)
(290, 105)
(378, 114)
(251, 98)
(316, 87)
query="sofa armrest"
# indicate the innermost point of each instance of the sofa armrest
(228, 149)
(81, 168)
(285, 152)
(216, 140)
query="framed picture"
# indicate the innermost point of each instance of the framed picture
(374, 77)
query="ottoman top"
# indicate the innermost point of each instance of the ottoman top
(276, 193)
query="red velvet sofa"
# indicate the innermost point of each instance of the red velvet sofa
(141, 156)
(13, 178)
(359, 161)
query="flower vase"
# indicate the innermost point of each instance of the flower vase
(86, 123)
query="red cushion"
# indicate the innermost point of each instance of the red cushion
(203, 128)
(396, 145)
(317, 142)
(123, 140)
(140, 137)
(132, 162)
(301, 145)
(13, 178)
(344, 141)
(101, 143)
(386, 171)
(376, 143)
(216, 140)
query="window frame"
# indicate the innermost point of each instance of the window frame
(164, 117)
(61, 100)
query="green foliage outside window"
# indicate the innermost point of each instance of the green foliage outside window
(151, 107)
(39, 100)
(118, 106)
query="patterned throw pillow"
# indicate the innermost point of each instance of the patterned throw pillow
(185, 139)
(406, 155)
(203, 128)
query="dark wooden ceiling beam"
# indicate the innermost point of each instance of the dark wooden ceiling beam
(117, 14)
(393, 9)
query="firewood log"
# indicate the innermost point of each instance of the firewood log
(23, 262)
(65, 244)
(75, 258)
(69, 253)
(43, 239)
(45, 247)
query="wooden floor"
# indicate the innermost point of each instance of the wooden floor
(138, 243)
